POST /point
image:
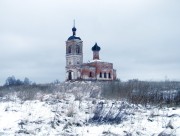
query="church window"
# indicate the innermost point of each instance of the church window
(90, 74)
(105, 75)
(69, 75)
(77, 49)
(69, 50)
(100, 75)
(109, 75)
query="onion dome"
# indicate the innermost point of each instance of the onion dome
(74, 29)
(96, 47)
(73, 37)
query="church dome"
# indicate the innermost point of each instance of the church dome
(74, 37)
(96, 48)
(74, 29)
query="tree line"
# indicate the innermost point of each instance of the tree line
(12, 81)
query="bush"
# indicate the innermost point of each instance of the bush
(27, 92)
(143, 92)
(70, 111)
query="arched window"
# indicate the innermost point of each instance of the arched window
(90, 74)
(77, 49)
(69, 75)
(100, 75)
(109, 75)
(69, 49)
(105, 75)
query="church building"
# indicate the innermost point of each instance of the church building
(93, 70)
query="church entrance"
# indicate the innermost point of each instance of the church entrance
(69, 75)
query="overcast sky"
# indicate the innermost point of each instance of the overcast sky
(140, 37)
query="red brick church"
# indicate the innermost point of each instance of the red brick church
(93, 70)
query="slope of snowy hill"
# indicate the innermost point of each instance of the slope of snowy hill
(75, 113)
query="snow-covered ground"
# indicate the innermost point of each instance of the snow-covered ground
(73, 114)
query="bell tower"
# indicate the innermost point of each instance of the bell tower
(74, 56)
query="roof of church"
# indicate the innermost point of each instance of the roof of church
(96, 47)
(74, 37)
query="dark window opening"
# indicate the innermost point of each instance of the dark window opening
(69, 76)
(69, 50)
(90, 74)
(109, 75)
(104, 75)
(77, 49)
(100, 75)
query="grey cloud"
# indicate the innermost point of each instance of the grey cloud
(140, 37)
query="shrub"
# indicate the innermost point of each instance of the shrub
(143, 92)
(70, 111)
